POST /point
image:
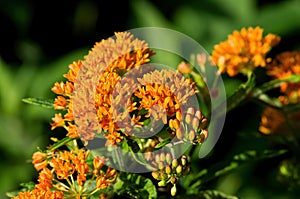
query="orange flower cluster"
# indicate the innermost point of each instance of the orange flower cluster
(67, 164)
(166, 88)
(160, 94)
(284, 65)
(103, 179)
(274, 121)
(68, 175)
(64, 101)
(40, 160)
(107, 61)
(42, 190)
(243, 51)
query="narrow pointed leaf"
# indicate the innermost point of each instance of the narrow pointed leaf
(46, 103)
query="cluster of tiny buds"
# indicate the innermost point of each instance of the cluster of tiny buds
(191, 127)
(169, 170)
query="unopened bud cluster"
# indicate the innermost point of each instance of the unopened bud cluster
(192, 127)
(170, 169)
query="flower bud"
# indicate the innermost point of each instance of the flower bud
(192, 135)
(198, 114)
(174, 124)
(174, 163)
(163, 175)
(168, 170)
(183, 160)
(178, 115)
(160, 165)
(204, 134)
(155, 175)
(188, 118)
(171, 124)
(173, 190)
(201, 59)
(190, 111)
(39, 160)
(204, 123)
(168, 158)
(179, 133)
(157, 158)
(162, 157)
(184, 68)
(162, 183)
(179, 169)
(173, 180)
(195, 123)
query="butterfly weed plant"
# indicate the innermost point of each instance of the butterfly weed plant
(133, 129)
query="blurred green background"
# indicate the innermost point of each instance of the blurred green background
(39, 39)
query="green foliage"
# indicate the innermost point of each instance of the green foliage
(26, 186)
(193, 183)
(135, 186)
(40, 102)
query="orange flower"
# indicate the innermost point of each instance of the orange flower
(284, 65)
(243, 51)
(167, 88)
(98, 163)
(39, 160)
(106, 178)
(45, 180)
(40, 194)
(72, 131)
(159, 94)
(74, 69)
(184, 68)
(42, 190)
(111, 59)
(272, 122)
(60, 103)
(276, 122)
(66, 163)
(58, 121)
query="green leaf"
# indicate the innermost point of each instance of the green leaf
(195, 181)
(60, 143)
(46, 103)
(12, 194)
(163, 143)
(28, 185)
(259, 93)
(270, 101)
(274, 84)
(214, 194)
(25, 187)
(135, 186)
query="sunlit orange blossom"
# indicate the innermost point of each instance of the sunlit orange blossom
(243, 51)
(115, 56)
(42, 190)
